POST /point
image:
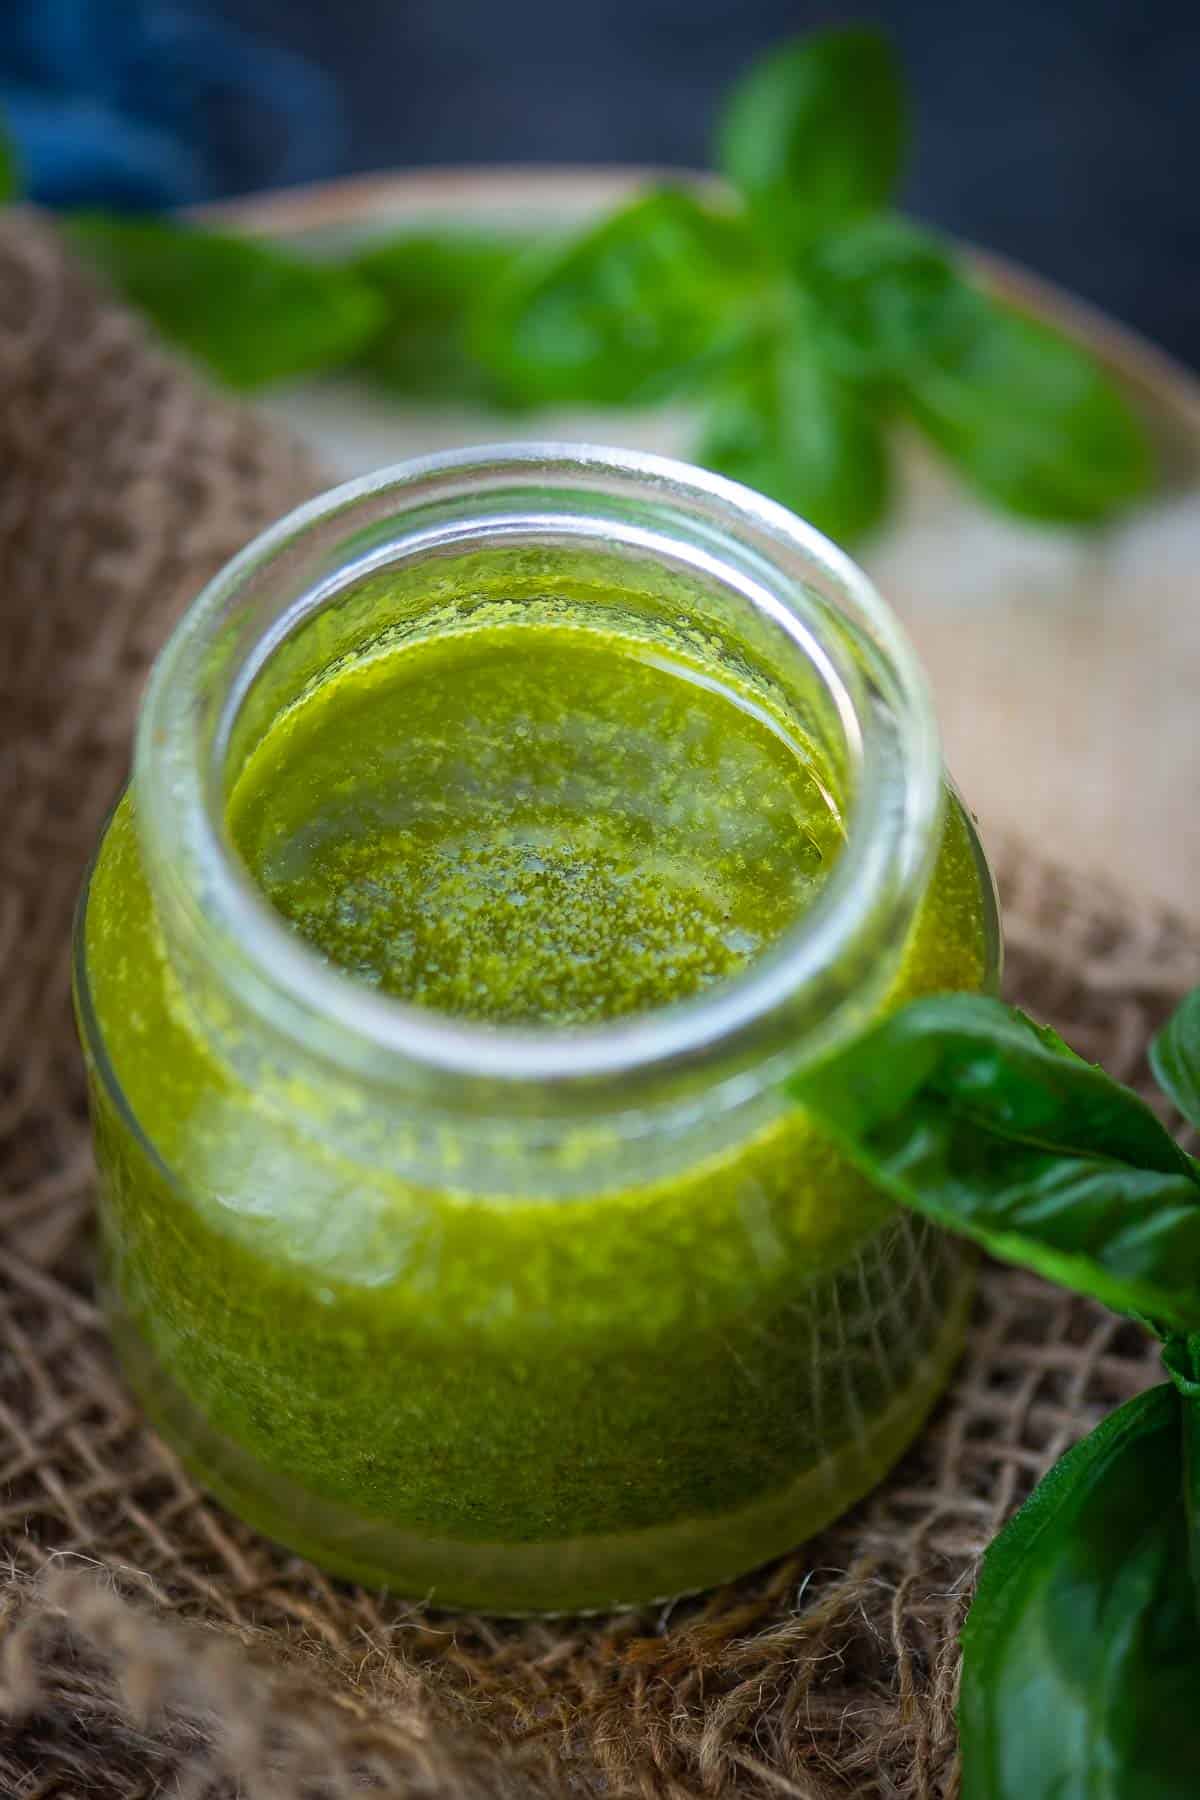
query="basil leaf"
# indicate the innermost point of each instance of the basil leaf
(628, 312)
(787, 425)
(965, 1111)
(1181, 1354)
(1191, 1476)
(10, 169)
(813, 135)
(889, 296)
(430, 285)
(1081, 1653)
(1175, 1057)
(253, 313)
(1030, 420)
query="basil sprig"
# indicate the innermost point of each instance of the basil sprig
(1081, 1653)
(797, 311)
(806, 316)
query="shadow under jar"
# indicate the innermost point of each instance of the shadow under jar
(504, 829)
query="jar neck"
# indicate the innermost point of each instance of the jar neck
(631, 543)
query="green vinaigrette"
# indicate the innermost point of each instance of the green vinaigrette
(504, 833)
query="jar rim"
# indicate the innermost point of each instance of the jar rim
(879, 871)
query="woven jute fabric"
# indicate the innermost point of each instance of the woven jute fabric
(149, 1643)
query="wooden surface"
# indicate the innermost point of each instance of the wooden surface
(1066, 664)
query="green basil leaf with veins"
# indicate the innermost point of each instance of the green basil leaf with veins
(966, 1111)
(629, 312)
(1081, 1653)
(813, 135)
(784, 423)
(1175, 1057)
(252, 312)
(888, 295)
(430, 284)
(1030, 420)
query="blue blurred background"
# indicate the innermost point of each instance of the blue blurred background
(1063, 132)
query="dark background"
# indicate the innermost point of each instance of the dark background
(1065, 133)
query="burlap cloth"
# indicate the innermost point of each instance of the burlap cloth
(149, 1644)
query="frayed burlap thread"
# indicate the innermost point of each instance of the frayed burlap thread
(149, 1643)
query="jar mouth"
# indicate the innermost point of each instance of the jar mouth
(820, 977)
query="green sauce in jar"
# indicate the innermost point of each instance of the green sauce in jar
(535, 826)
(446, 1370)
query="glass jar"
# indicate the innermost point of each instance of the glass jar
(521, 1319)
